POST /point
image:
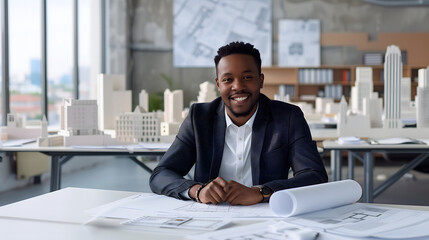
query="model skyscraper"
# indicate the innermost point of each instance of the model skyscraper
(392, 87)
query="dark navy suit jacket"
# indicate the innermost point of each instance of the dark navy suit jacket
(281, 140)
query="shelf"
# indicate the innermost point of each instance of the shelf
(276, 76)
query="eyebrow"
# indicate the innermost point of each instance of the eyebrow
(245, 71)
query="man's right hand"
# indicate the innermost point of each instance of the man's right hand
(214, 192)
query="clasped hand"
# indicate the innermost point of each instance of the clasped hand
(219, 190)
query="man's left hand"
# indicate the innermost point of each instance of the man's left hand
(238, 194)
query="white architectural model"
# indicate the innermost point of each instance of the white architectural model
(408, 111)
(397, 99)
(373, 109)
(139, 126)
(16, 128)
(144, 100)
(392, 87)
(321, 104)
(113, 99)
(362, 89)
(422, 99)
(207, 92)
(79, 117)
(173, 106)
(79, 126)
(49, 141)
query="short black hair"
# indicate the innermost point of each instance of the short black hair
(238, 48)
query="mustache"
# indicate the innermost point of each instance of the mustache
(240, 92)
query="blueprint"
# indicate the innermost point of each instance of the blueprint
(201, 27)
(299, 43)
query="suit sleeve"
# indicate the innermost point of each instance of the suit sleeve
(168, 177)
(304, 159)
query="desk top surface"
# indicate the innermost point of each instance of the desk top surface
(32, 147)
(61, 213)
(334, 145)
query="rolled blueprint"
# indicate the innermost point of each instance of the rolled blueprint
(295, 201)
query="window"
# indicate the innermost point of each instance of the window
(25, 58)
(25, 55)
(59, 55)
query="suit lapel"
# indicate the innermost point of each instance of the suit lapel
(258, 136)
(219, 126)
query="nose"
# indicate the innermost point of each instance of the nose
(238, 84)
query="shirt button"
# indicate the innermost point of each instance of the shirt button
(239, 158)
(239, 177)
(240, 139)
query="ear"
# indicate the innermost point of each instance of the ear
(262, 81)
(217, 83)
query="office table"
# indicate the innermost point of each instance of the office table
(61, 155)
(369, 193)
(60, 214)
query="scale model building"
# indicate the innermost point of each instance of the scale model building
(113, 99)
(397, 105)
(79, 126)
(139, 126)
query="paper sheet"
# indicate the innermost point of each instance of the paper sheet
(158, 205)
(267, 230)
(362, 220)
(301, 200)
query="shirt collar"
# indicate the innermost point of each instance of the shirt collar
(249, 122)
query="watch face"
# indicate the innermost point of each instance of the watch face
(265, 191)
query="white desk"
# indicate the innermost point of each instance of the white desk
(369, 193)
(59, 214)
(61, 155)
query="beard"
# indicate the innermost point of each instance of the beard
(242, 114)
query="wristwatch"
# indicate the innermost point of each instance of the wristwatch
(265, 191)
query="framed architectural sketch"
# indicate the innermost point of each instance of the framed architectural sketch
(201, 27)
(299, 43)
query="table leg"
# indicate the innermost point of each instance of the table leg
(55, 173)
(141, 164)
(368, 192)
(351, 166)
(336, 165)
(395, 177)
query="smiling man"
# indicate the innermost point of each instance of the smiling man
(242, 144)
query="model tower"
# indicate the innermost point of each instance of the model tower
(392, 87)
(364, 87)
(207, 92)
(113, 99)
(79, 117)
(173, 107)
(422, 99)
(144, 100)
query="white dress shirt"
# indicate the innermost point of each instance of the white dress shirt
(236, 164)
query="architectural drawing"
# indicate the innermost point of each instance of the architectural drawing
(392, 87)
(201, 27)
(207, 92)
(299, 43)
(112, 99)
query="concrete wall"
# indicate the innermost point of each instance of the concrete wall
(151, 26)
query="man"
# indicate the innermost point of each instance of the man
(242, 144)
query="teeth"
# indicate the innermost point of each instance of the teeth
(240, 99)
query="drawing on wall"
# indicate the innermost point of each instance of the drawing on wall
(201, 27)
(299, 43)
